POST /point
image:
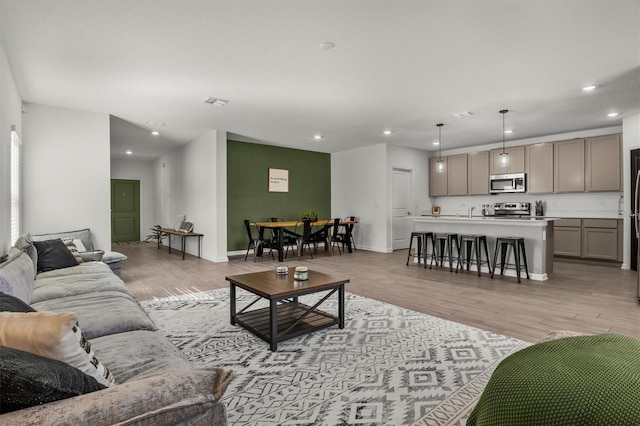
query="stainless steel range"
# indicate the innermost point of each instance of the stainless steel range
(512, 209)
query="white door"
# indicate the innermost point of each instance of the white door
(401, 207)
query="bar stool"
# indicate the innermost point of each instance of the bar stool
(444, 244)
(429, 236)
(468, 243)
(418, 236)
(503, 244)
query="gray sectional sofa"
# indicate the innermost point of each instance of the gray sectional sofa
(154, 383)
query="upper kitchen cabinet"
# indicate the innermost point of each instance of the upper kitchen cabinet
(516, 161)
(457, 174)
(437, 180)
(603, 159)
(568, 166)
(478, 173)
(539, 168)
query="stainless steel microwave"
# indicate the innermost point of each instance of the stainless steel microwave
(512, 182)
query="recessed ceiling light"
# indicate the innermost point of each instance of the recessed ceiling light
(155, 133)
(436, 142)
(317, 137)
(387, 132)
(612, 114)
(326, 45)
(215, 101)
(129, 152)
(508, 131)
(589, 88)
(462, 114)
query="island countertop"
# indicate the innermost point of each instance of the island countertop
(489, 220)
(537, 232)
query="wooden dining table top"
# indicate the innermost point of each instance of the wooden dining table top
(293, 223)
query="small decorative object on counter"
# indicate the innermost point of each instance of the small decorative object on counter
(539, 208)
(282, 270)
(301, 273)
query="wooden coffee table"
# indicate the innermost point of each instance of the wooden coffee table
(286, 317)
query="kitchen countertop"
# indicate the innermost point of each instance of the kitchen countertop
(493, 220)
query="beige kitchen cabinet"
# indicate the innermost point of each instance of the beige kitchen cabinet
(600, 239)
(516, 161)
(567, 237)
(603, 158)
(478, 173)
(437, 181)
(457, 174)
(568, 166)
(595, 239)
(539, 168)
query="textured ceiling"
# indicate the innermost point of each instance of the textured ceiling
(398, 65)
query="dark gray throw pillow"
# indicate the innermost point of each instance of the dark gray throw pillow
(27, 379)
(53, 254)
(9, 303)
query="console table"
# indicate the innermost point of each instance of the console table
(182, 234)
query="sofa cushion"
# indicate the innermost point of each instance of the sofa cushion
(88, 277)
(28, 379)
(82, 234)
(16, 275)
(138, 354)
(53, 254)
(113, 256)
(52, 335)
(10, 303)
(102, 313)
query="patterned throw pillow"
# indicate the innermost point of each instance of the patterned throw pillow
(74, 245)
(53, 335)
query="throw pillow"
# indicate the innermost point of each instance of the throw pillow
(53, 335)
(53, 254)
(27, 379)
(74, 245)
(9, 303)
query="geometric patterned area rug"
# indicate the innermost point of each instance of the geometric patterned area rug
(388, 366)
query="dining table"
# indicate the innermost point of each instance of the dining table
(278, 229)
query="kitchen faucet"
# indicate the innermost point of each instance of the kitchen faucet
(471, 209)
(459, 208)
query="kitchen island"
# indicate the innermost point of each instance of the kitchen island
(537, 232)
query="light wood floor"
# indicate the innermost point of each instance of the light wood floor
(579, 297)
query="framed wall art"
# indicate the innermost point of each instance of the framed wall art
(278, 180)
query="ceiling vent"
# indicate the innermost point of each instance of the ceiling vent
(216, 101)
(462, 114)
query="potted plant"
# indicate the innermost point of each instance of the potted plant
(311, 215)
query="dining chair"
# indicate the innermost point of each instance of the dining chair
(255, 241)
(302, 234)
(288, 240)
(335, 236)
(351, 226)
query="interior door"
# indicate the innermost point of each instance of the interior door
(125, 210)
(401, 196)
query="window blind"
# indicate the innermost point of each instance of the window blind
(15, 186)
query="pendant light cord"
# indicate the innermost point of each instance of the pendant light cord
(503, 112)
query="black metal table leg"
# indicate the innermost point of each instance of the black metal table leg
(341, 306)
(273, 320)
(232, 300)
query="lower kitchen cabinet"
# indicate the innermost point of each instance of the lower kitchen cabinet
(597, 239)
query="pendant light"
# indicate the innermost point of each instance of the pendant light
(440, 163)
(504, 155)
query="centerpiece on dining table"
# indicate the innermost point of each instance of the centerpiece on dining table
(310, 215)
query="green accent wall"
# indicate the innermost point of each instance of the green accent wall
(248, 195)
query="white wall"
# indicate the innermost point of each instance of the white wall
(187, 182)
(142, 171)
(417, 161)
(10, 115)
(66, 172)
(630, 141)
(359, 188)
